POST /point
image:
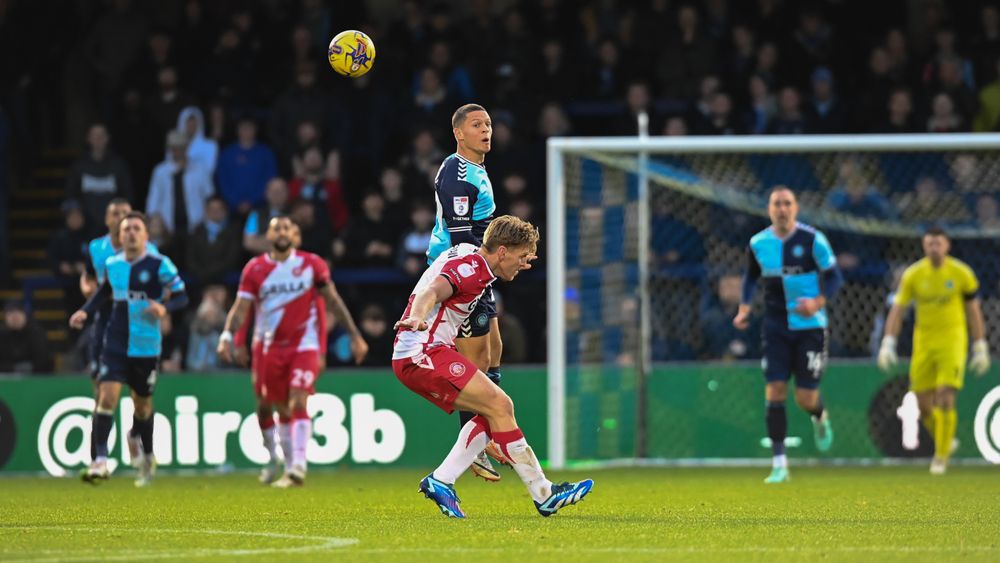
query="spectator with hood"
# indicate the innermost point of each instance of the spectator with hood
(201, 151)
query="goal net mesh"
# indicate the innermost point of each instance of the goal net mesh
(703, 208)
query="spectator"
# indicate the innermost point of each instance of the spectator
(675, 127)
(556, 79)
(875, 92)
(177, 193)
(986, 43)
(987, 213)
(690, 56)
(762, 106)
(159, 234)
(743, 54)
(307, 136)
(113, 43)
(720, 340)
(326, 194)
(988, 118)
(255, 230)
(701, 113)
(375, 328)
(315, 235)
(201, 152)
(244, 169)
(157, 56)
(165, 106)
(304, 101)
(97, 177)
(604, 78)
(900, 117)
(825, 112)
(431, 105)
(857, 197)
(214, 250)
(457, 80)
(637, 100)
(944, 118)
(929, 203)
(205, 328)
(25, 348)
(412, 257)
(812, 42)
(367, 241)
(767, 64)
(422, 163)
(66, 253)
(131, 129)
(951, 81)
(720, 120)
(789, 119)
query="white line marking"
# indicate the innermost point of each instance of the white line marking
(325, 544)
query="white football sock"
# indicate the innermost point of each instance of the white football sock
(285, 441)
(301, 433)
(526, 466)
(472, 440)
(271, 442)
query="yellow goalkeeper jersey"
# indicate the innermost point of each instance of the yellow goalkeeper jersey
(939, 296)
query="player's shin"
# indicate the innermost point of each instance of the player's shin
(269, 431)
(777, 428)
(103, 421)
(145, 431)
(472, 439)
(945, 424)
(301, 433)
(285, 437)
(513, 445)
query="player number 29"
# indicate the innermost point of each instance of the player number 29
(302, 378)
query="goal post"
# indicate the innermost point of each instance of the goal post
(616, 300)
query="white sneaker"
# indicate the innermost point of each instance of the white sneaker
(939, 466)
(147, 468)
(269, 473)
(295, 476)
(135, 450)
(97, 472)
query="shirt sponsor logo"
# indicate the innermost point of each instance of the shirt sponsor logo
(282, 287)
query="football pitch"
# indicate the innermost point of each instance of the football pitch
(837, 514)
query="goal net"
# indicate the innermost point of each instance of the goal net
(646, 241)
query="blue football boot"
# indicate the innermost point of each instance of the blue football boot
(443, 495)
(564, 494)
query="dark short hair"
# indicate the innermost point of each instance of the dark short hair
(138, 215)
(119, 201)
(936, 231)
(780, 188)
(458, 119)
(218, 199)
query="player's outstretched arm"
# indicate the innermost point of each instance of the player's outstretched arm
(237, 314)
(359, 348)
(425, 300)
(980, 362)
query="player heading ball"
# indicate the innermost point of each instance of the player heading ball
(424, 359)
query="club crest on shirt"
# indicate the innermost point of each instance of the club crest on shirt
(948, 284)
(466, 270)
(144, 276)
(461, 205)
(797, 251)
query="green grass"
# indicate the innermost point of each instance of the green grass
(837, 514)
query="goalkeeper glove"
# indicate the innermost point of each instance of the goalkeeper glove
(980, 362)
(887, 357)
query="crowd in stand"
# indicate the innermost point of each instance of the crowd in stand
(215, 116)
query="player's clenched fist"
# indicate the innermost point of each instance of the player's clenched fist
(742, 320)
(410, 323)
(78, 319)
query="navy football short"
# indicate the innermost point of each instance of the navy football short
(801, 354)
(96, 346)
(478, 323)
(138, 373)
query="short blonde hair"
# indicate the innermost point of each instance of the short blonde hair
(509, 231)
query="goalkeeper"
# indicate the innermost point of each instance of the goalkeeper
(945, 293)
